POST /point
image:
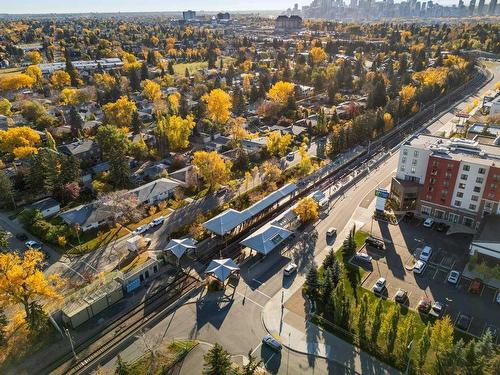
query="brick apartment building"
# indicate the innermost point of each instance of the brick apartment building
(452, 180)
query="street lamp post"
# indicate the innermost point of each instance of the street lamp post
(71, 343)
(409, 357)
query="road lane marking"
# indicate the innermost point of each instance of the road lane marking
(251, 300)
(260, 282)
(264, 294)
(271, 357)
(258, 346)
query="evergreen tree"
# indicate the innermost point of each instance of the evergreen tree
(3, 325)
(75, 122)
(144, 72)
(254, 94)
(183, 107)
(217, 361)
(389, 329)
(423, 346)
(312, 282)
(363, 317)
(136, 123)
(114, 146)
(252, 365)
(70, 69)
(230, 73)
(327, 285)
(6, 190)
(122, 368)
(51, 143)
(238, 102)
(170, 68)
(186, 73)
(406, 334)
(329, 259)
(376, 320)
(70, 170)
(43, 171)
(134, 80)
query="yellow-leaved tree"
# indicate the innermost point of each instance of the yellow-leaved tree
(307, 210)
(318, 55)
(407, 94)
(388, 121)
(219, 105)
(16, 82)
(22, 282)
(278, 144)
(60, 79)
(68, 96)
(151, 90)
(281, 91)
(119, 113)
(20, 141)
(130, 62)
(34, 57)
(178, 131)
(34, 72)
(174, 101)
(212, 168)
(237, 132)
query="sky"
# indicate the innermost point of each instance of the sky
(85, 6)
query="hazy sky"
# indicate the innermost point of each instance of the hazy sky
(68, 6)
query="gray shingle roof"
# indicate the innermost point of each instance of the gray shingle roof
(266, 239)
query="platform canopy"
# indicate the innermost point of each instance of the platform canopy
(221, 269)
(266, 239)
(179, 247)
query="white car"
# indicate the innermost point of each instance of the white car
(428, 223)
(453, 277)
(419, 267)
(331, 232)
(426, 253)
(291, 268)
(157, 221)
(379, 286)
(140, 230)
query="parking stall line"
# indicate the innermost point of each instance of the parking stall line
(435, 273)
(256, 348)
(264, 294)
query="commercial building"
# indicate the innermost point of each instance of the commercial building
(452, 180)
(285, 23)
(83, 65)
(188, 15)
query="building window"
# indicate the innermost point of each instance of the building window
(414, 162)
(477, 189)
(447, 175)
(426, 210)
(450, 165)
(405, 151)
(446, 183)
(466, 167)
(433, 180)
(458, 203)
(491, 195)
(460, 194)
(496, 177)
(472, 207)
(468, 222)
(428, 197)
(463, 177)
(402, 168)
(415, 153)
(482, 171)
(431, 189)
(403, 160)
(474, 198)
(435, 163)
(461, 186)
(444, 193)
(488, 205)
(412, 169)
(453, 218)
(479, 180)
(493, 186)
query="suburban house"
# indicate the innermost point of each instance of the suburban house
(48, 207)
(86, 151)
(93, 215)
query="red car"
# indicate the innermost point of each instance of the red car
(476, 286)
(424, 304)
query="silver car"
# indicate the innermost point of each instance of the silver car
(272, 342)
(379, 286)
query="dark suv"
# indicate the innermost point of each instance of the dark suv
(375, 242)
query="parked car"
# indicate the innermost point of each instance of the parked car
(33, 245)
(441, 227)
(437, 309)
(426, 253)
(498, 297)
(379, 286)
(272, 342)
(21, 236)
(476, 286)
(428, 223)
(401, 296)
(331, 232)
(453, 277)
(424, 304)
(463, 322)
(419, 267)
(291, 268)
(157, 221)
(222, 191)
(140, 230)
(290, 156)
(363, 257)
(375, 242)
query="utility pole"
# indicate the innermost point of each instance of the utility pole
(71, 343)
(409, 357)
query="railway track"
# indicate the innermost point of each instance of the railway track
(91, 351)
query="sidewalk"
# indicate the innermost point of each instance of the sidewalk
(300, 335)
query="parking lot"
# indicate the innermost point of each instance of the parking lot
(395, 263)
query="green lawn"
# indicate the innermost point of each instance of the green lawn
(193, 67)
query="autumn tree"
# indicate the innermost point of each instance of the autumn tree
(34, 72)
(307, 209)
(16, 82)
(407, 94)
(34, 57)
(177, 131)
(119, 113)
(5, 107)
(318, 55)
(305, 165)
(20, 141)
(281, 91)
(442, 338)
(22, 282)
(218, 105)
(60, 79)
(278, 144)
(212, 168)
(68, 96)
(151, 90)
(237, 131)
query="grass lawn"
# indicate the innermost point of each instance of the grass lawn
(165, 358)
(180, 69)
(9, 72)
